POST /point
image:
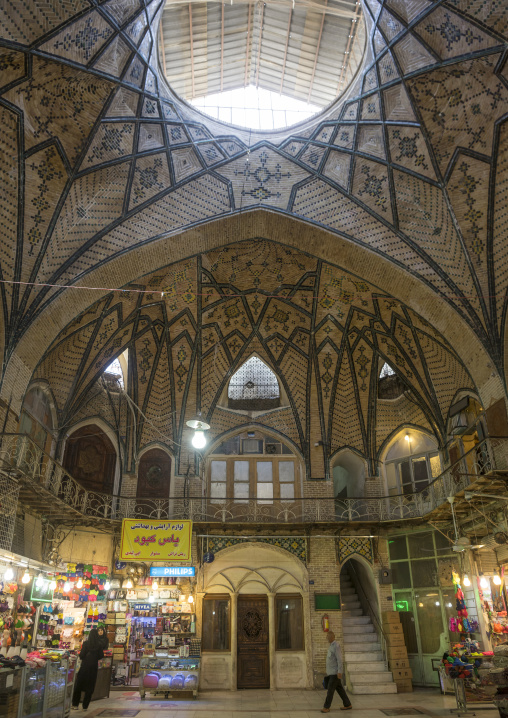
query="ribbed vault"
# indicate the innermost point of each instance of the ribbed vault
(100, 158)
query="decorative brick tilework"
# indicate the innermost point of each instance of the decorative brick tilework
(151, 175)
(459, 108)
(80, 41)
(412, 55)
(25, 23)
(408, 148)
(112, 141)
(409, 9)
(450, 36)
(350, 545)
(371, 140)
(370, 184)
(71, 101)
(112, 61)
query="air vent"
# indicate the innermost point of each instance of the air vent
(273, 448)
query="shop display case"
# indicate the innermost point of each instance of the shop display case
(33, 692)
(164, 673)
(10, 691)
(46, 691)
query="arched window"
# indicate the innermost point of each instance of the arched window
(390, 385)
(115, 374)
(254, 387)
(90, 458)
(36, 418)
(154, 475)
(386, 370)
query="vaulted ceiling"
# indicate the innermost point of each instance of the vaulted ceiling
(106, 175)
(325, 332)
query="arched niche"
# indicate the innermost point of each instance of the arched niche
(38, 417)
(91, 458)
(154, 474)
(253, 387)
(348, 471)
(411, 460)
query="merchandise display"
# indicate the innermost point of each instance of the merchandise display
(164, 672)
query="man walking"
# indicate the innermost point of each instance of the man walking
(333, 678)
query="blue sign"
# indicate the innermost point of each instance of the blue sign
(161, 571)
(142, 607)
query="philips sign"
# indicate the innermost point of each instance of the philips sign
(162, 571)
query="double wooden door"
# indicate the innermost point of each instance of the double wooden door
(252, 632)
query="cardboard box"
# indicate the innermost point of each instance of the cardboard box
(396, 653)
(398, 663)
(390, 617)
(392, 628)
(394, 639)
(404, 687)
(402, 674)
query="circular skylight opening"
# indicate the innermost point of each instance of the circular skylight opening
(264, 65)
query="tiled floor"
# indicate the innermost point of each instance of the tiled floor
(276, 704)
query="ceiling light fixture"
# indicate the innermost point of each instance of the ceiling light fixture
(497, 578)
(26, 577)
(466, 580)
(9, 573)
(483, 581)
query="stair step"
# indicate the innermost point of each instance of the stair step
(346, 584)
(371, 677)
(373, 655)
(364, 689)
(361, 646)
(348, 604)
(364, 667)
(360, 638)
(352, 613)
(355, 621)
(358, 629)
(348, 591)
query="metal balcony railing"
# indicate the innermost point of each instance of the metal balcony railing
(23, 461)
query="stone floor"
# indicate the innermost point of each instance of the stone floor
(276, 704)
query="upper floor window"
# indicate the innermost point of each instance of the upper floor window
(154, 475)
(254, 387)
(252, 466)
(412, 462)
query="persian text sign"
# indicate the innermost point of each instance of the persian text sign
(148, 540)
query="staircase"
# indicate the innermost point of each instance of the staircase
(363, 657)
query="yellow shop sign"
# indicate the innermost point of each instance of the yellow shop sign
(148, 540)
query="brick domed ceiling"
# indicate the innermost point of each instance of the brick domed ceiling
(102, 164)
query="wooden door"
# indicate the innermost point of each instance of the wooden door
(252, 627)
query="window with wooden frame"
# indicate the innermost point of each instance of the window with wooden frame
(216, 623)
(253, 466)
(264, 479)
(289, 634)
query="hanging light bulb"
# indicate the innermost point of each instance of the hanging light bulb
(79, 583)
(26, 577)
(190, 599)
(497, 578)
(128, 584)
(67, 586)
(199, 426)
(107, 586)
(198, 440)
(466, 580)
(181, 597)
(52, 584)
(39, 580)
(151, 598)
(9, 574)
(483, 581)
(155, 586)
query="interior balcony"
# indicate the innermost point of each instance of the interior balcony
(42, 486)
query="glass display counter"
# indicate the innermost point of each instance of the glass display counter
(46, 691)
(168, 674)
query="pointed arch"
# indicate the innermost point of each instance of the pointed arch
(254, 387)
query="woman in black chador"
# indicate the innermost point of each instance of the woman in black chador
(91, 653)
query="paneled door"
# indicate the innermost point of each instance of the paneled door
(253, 663)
